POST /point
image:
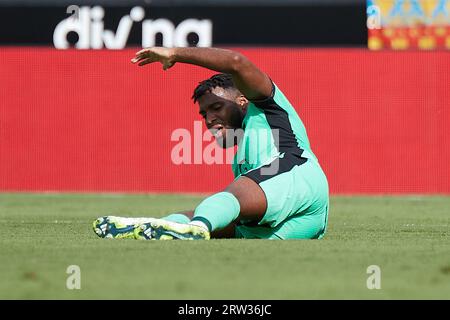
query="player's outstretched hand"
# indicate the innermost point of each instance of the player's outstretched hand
(155, 54)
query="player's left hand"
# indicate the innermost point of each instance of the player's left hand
(155, 54)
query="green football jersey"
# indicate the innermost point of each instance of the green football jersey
(272, 130)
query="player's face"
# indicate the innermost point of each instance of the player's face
(223, 111)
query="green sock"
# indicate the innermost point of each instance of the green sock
(177, 217)
(217, 211)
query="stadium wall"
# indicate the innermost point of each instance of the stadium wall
(91, 121)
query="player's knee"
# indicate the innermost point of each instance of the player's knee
(250, 196)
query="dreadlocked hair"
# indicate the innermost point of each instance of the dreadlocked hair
(222, 80)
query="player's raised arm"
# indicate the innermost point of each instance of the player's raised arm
(251, 81)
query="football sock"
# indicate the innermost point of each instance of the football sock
(217, 211)
(177, 217)
(200, 224)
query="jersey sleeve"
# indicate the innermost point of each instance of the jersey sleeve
(268, 102)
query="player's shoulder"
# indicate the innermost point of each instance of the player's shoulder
(275, 100)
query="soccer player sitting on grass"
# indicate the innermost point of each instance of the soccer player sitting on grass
(279, 190)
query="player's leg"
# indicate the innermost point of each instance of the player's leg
(297, 205)
(174, 226)
(242, 199)
(252, 205)
(302, 226)
(124, 228)
(180, 217)
(186, 217)
(269, 207)
(291, 203)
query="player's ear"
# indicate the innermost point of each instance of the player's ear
(242, 101)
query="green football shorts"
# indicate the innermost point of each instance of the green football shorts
(297, 204)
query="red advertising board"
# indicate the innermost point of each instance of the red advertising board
(71, 120)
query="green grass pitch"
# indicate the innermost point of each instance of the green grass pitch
(42, 234)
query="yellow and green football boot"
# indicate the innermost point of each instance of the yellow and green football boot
(117, 227)
(160, 229)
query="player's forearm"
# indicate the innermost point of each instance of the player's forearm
(221, 60)
(253, 83)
